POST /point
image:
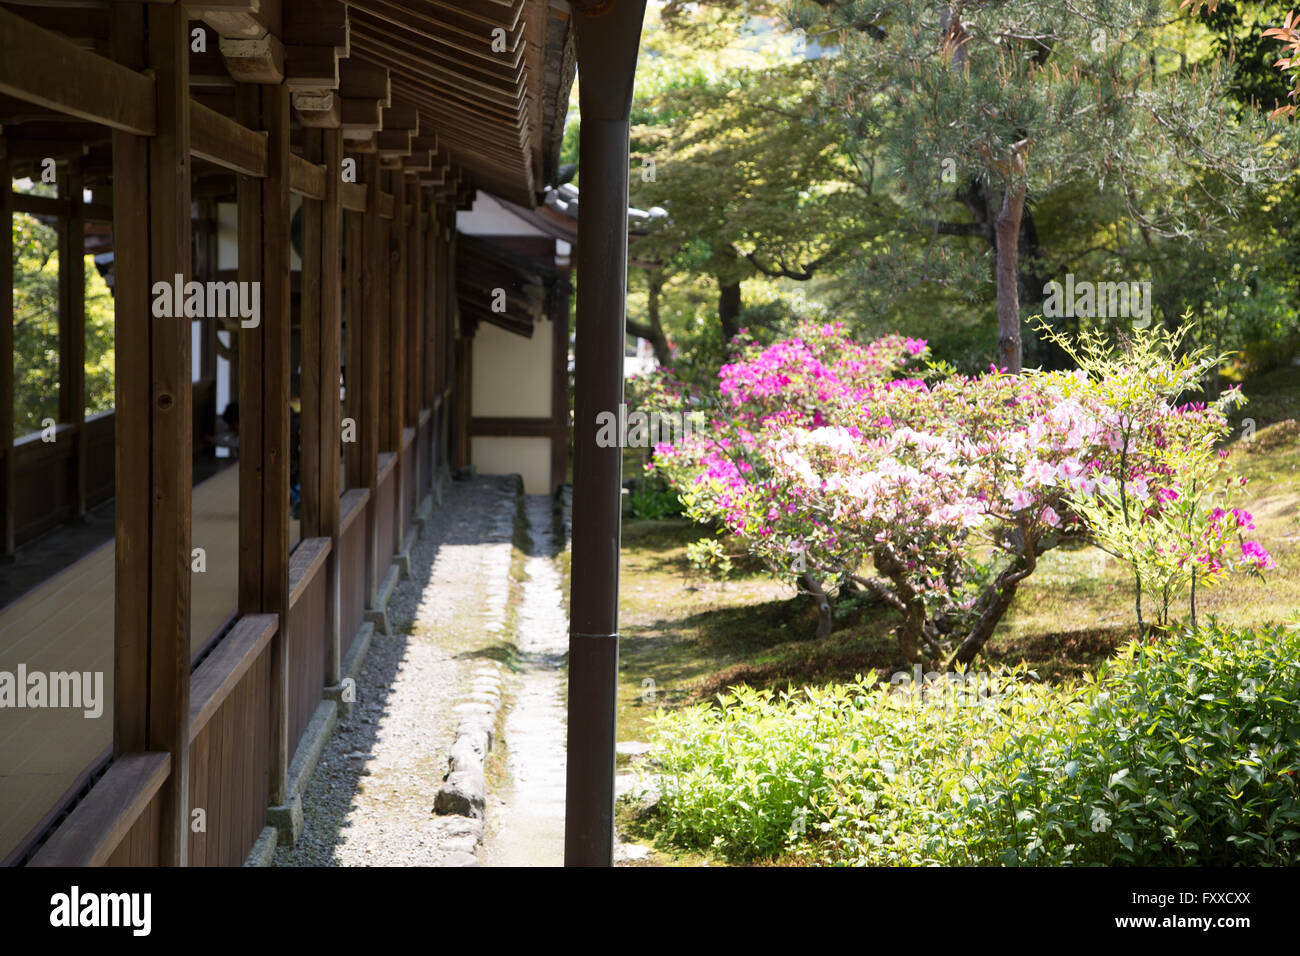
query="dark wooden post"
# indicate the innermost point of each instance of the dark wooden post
(607, 42)
(436, 349)
(72, 327)
(331, 311)
(416, 320)
(264, 352)
(276, 341)
(151, 236)
(563, 295)
(248, 110)
(354, 346)
(374, 272)
(313, 372)
(6, 354)
(395, 351)
(395, 345)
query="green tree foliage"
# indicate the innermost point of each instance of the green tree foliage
(977, 111)
(727, 140)
(36, 328)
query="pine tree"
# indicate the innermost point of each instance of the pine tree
(973, 108)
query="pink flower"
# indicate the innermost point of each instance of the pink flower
(1019, 499)
(1050, 517)
(1255, 554)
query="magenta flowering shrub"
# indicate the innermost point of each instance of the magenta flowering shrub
(832, 460)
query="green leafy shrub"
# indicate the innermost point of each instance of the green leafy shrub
(1179, 753)
(653, 501)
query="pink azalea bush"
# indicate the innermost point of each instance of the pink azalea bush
(831, 459)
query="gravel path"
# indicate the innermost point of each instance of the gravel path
(370, 800)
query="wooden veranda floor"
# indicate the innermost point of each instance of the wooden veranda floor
(66, 624)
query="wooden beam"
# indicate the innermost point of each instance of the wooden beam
(254, 60)
(362, 80)
(222, 670)
(238, 18)
(171, 458)
(361, 117)
(44, 68)
(103, 819)
(318, 23)
(319, 108)
(354, 196)
(59, 206)
(306, 178)
(229, 144)
(311, 68)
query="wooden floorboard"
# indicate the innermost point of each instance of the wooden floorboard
(66, 624)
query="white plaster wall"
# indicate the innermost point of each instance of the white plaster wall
(528, 457)
(487, 217)
(511, 375)
(228, 235)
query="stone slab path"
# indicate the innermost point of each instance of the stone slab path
(526, 817)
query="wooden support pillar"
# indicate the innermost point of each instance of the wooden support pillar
(151, 235)
(607, 53)
(309, 353)
(331, 310)
(354, 346)
(562, 294)
(463, 401)
(264, 352)
(276, 342)
(434, 354)
(248, 111)
(395, 347)
(72, 327)
(373, 321)
(436, 306)
(415, 317)
(207, 254)
(6, 354)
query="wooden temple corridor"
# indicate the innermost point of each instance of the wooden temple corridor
(249, 214)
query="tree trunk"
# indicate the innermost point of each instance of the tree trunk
(825, 621)
(1038, 350)
(729, 308)
(1008, 274)
(658, 340)
(653, 330)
